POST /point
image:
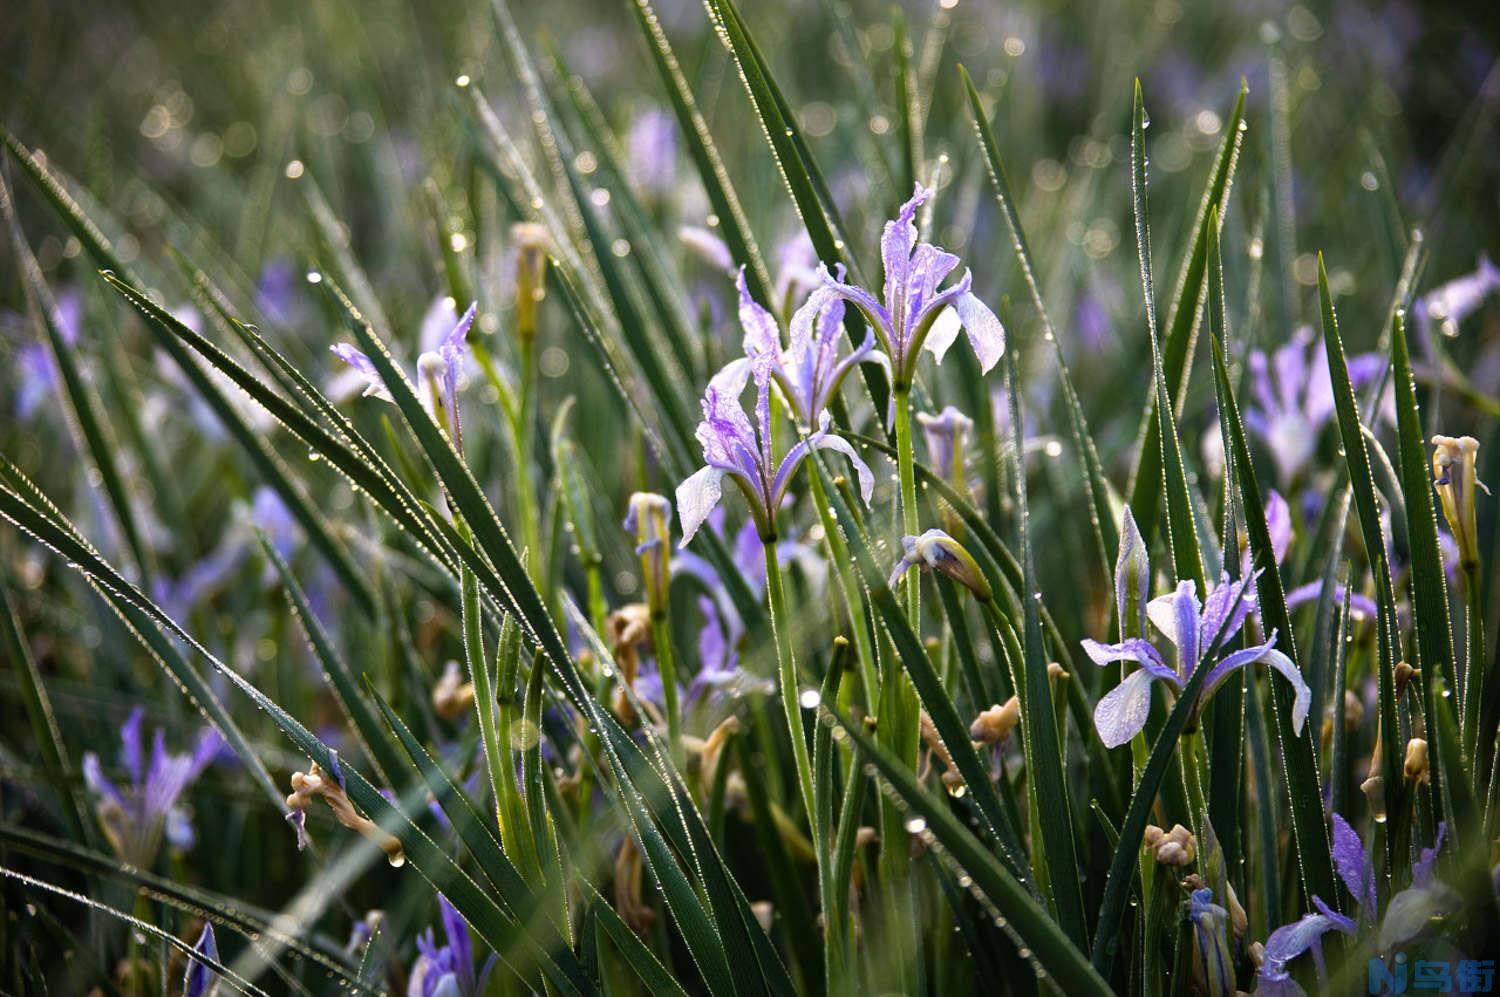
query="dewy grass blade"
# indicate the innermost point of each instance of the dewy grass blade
(1182, 529)
(97, 444)
(44, 724)
(1100, 510)
(1429, 592)
(733, 224)
(1010, 900)
(655, 977)
(1045, 756)
(1182, 322)
(1309, 831)
(1397, 796)
(381, 750)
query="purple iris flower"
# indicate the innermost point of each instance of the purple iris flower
(1198, 630)
(136, 816)
(440, 364)
(735, 448)
(809, 371)
(38, 375)
(447, 971)
(1291, 940)
(917, 313)
(1293, 398)
(946, 434)
(199, 979)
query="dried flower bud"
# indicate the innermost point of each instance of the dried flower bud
(531, 275)
(1454, 466)
(649, 520)
(940, 552)
(1055, 671)
(995, 724)
(314, 783)
(1404, 674)
(452, 696)
(1176, 847)
(1416, 761)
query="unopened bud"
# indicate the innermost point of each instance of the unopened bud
(940, 552)
(648, 519)
(1404, 674)
(995, 724)
(1454, 466)
(1416, 761)
(1176, 847)
(531, 275)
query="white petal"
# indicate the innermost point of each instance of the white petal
(696, 498)
(1122, 712)
(986, 334)
(944, 331)
(1289, 669)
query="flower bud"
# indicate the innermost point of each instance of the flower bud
(1416, 761)
(940, 552)
(531, 275)
(996, 723)
(649, 518)
(1404, 673)
(1454, 475)
(1176, 847)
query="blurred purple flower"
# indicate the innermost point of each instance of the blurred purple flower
(743, 452)
(1279, 524)
(810, 370)
(651, 146)
(38, 374)
(135, 817)
(916, 313)
(1293, 398)
(448, 970)
(278, 290)
(1448, 305)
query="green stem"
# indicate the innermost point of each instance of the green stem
(666, 664)
(787, 677)
(1477, 740)
(906, 469)
(524, 429)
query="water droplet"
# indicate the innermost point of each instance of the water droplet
(810, 699)
(916, 825)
